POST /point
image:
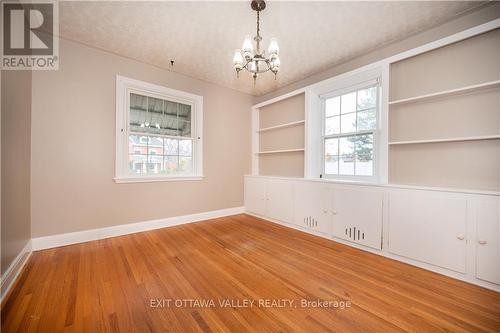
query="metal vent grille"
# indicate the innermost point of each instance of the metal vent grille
(310, 222)
(354, 233)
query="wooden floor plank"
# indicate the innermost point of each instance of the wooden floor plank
(109, 285)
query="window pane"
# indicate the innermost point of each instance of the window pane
(169, 123)
(366, 120)
(184, 128)
(185, 165)
(364, 165)
(138, 112)
(186, 147)
(170, 164)
(364, 144)
(155, 115)
(137, 164)
(155, 146)
(332, 106)
(184, 112)
(331, 147)
(348, 123)
(155, 164)
(346, 145)
(367, 98)
(138, 144)
(332, 125)
(331, 164)
(346, 165)
(348, 103)
(171, 146)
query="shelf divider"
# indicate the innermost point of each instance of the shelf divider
(280, 151)
(290, 124)
(485, 85)
(469, 138)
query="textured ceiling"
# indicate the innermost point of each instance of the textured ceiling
(201, 36)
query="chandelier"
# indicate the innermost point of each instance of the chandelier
(254, 60)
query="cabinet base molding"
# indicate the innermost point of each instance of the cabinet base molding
(469, 278)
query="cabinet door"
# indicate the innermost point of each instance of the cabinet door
(358, 216)
(488, 239)
(280, 200)
(255, 195)
(312, 207)
(428, 227)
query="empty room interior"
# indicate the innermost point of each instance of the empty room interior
(250, 166)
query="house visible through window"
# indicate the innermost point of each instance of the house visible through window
(350, 121)
(163, 137)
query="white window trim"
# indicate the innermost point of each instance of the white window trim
(315, 95)
(375, 131)
(124, 86)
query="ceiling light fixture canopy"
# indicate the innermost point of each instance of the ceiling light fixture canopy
(254, 60)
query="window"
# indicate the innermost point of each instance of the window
(349, 132)
(158, 133)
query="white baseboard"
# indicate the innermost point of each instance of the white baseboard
(17, 265)
(48, 242)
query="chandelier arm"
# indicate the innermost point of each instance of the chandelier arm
(260, 70)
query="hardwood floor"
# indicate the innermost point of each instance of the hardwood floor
(123, 284)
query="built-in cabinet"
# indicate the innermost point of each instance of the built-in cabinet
(255, 195)
(453, 233)
(312, 207)
(358, 215)
(279, 200)
(487, 240)
(429, 227)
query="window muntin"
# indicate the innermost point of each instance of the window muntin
(350, 120)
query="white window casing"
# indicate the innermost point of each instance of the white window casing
(124, 88)
(315, 123)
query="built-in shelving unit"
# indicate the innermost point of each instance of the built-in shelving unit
(450, 92)
(470, 138)
(278, 133)
(290, 124)
(449, 137)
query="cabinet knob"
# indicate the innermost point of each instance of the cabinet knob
(482, 241)
(334, 212)
(461, 236)
(325, 211)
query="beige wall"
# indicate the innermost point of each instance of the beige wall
(16, 148)
(73, 155)
(461, 23)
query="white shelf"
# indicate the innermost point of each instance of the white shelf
(470, 138)
(280, 151)
(290, 124)
(491, 84)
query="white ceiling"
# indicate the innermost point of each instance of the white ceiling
(201, 36)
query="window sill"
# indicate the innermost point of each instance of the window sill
(123, 180)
